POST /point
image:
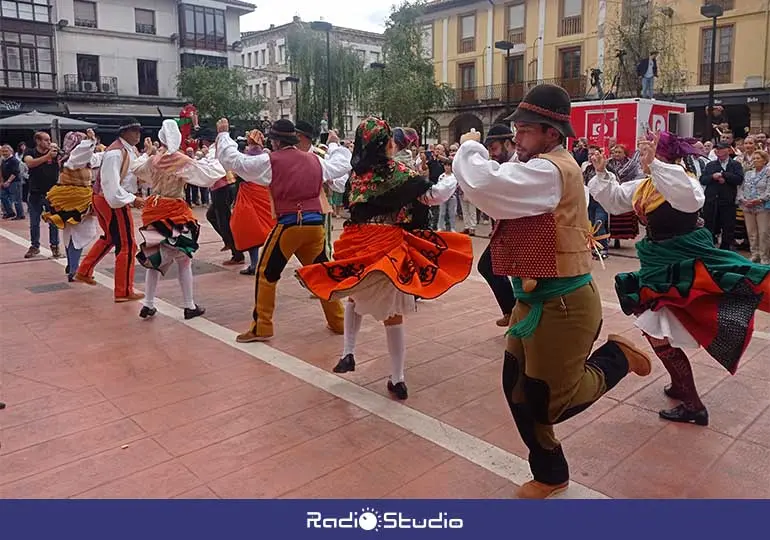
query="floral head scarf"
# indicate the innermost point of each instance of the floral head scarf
(71, 140)
(374, 173)
(671, 147)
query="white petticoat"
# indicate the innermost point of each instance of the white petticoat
(376, 295)
(663, 324)
(81, 234)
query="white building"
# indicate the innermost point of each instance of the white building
(265, 55)
(117, 58)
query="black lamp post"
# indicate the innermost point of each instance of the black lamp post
(712, 11)
(506, 46)
(295, 83)
(381, 68)
(323, 26)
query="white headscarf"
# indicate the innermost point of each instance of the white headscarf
(170, 135)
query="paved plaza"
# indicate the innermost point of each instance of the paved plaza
(103, 404)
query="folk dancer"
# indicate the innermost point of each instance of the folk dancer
(252, 218)
(499, 144)
(543, 241)
(169, 228)
(113, 198)
(295, 179)
(71, 198)
(385, 256)
(687, 292)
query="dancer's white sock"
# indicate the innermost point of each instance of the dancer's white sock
(352, 326)
(150, 286)
(184, 265)
(397, 350)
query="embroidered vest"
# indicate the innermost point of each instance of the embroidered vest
(548, 245)
(125, 162)
(296, 183)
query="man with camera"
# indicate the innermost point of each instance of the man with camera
(43, 175)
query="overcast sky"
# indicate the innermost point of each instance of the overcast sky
(359, 14)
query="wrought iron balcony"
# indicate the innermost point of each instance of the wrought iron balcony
(145, 28)
(516, 35)
(496, 94)
(571, 25)
(99, 85)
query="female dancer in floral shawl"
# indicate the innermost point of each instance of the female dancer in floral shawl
(385, 257)
(687, 293)
(70, 198)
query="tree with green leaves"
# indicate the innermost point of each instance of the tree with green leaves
(405, 90)
(639, 27)
(308, 59)
(218, 92)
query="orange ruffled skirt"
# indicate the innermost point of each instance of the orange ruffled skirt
(420, 263)
(252, 218)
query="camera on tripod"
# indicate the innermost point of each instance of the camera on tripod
(596, 73)
(620, 53)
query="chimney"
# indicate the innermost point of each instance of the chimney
(272, 26)
(296, 18)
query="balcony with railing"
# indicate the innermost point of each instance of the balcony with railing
(571, 25)
(85, 23)
(101, 85)
(499, 94)
(467, 45)
(723, 73)
(516, 35)
(143, 28)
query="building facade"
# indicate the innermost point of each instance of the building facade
(108, 59)
(560, 41)
(265, 55)
(27, 58)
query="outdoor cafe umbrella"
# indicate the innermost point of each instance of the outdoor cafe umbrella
(37, 120)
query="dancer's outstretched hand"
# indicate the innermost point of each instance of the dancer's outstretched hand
(471, 136)
(223, 125)
(647, 151)
(598, 161)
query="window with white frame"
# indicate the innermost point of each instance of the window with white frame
(85, 13)
(427, 41)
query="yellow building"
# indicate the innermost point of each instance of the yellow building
(560, 41)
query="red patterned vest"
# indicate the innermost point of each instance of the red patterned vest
(296, 183)
(548, 245)
(125, 161)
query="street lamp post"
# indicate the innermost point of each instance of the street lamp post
(381, 68)
(323, 26)
(506, 46)
(712, 11)
(295, 83)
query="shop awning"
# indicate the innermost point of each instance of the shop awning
(113, 109)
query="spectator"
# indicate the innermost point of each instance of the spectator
(647, 69)
(11, 186)
(721, 179)
(43, 175)
(754, 198)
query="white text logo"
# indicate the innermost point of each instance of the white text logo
(370, 519)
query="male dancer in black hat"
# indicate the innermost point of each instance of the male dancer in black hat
(295, 179)
(499, 143)
(113, 198)
(549, 372)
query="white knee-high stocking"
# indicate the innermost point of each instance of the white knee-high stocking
(150, 286)
(352, 326)
(397, 351)
(184, 266)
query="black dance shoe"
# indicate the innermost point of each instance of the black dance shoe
(147, 312)
(192, 313)
(685, 416)
(346, 363)
(398, 389)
